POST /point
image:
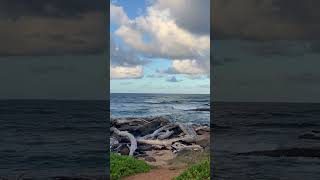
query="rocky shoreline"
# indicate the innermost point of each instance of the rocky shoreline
(157, 140)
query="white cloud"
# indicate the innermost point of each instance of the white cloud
(124, 57)
(191, 15)
(167, 39)
(117, 15)
(121, 72)
(163, 33)
(187, 67)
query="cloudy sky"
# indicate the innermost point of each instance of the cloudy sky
(160, 46)
(53, 49)
(266, 50)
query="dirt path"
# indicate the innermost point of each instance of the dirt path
(156, 174)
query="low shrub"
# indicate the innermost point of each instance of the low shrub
(199, 171)
(121, 166)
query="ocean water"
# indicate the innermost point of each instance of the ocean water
(244, 127)
(42, 139)
(176, 107)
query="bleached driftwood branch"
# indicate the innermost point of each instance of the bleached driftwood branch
(147, 134)
(165, 135)
(132, 139)
(187, 129)
(156, 132)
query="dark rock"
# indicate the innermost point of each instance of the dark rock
(124, 150)
(126, 127)
(151, 126)
(315, 131)
(293, 152)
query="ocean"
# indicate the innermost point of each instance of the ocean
(175, 107)
(47, 138)
(44, 138)
(246, 127)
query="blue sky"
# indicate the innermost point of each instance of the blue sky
(154, 70)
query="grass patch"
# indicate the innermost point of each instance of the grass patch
(121, 166)
(199, 171)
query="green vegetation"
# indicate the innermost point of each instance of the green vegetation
(199, 171)
(121, 166)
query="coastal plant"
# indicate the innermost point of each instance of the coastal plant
(199, 171)
(121, 166)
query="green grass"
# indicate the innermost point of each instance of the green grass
(121, 166)
(199, 171)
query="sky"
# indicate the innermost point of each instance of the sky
(160, 46)
(266, 50)
(53, 49)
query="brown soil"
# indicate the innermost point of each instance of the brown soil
(168, 165)
(156, 174)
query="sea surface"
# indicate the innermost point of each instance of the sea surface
(245, 127)
(44, 138)
(175, 107)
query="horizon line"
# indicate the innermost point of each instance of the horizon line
(159, 93)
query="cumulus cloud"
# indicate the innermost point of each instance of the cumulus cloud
(121, 72)
(191, 15)
(125, 63)
(124, 57)
(167, 39)
(170, 30)
(187, 67)
(118, 15)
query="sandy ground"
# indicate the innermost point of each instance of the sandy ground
(156, 174)
(163, 170)
(167, 165)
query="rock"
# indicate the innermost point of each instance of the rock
(151, 126)
(124, 150)
(150, 159)
(202, 132)
(203, 140)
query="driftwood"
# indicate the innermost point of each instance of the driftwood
(132, 139)
(156, 132)
(178, 147)
(147, 134)
(165, 135)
